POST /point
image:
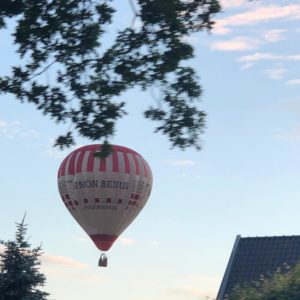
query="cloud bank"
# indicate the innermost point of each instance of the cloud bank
(57, 260)
(257, 15)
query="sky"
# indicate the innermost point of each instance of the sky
(245, 180)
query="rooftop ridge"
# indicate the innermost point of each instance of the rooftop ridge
(271, 237)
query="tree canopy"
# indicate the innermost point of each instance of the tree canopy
(66, 36)
(283, 285)
(20, 278)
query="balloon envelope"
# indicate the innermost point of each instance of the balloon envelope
(104, 195)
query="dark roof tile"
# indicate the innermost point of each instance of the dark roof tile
(253, 257)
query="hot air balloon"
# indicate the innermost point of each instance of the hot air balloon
(104, 195)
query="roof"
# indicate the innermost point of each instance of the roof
(252, 257)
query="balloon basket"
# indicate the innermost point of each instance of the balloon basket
(102, 261)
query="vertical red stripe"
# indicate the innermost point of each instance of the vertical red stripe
(63, 166)
(145, 168)
(74, 161)
(91, 160)
(126, 161)
(137, 166)
(103, 164)
(71, 170)
(124, 149)
(58, 173)
(79, 162)
(115, 161)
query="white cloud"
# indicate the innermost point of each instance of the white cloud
(257, 56)
(294, 106)
(127, 241)
(275, 73)
(144, 284)
(16, 129)
(153, 243)
(268, 56)
(56, 152)
(182, 163)
(69, 269)
(81, 239)
(292, 135)
(131, 242)
(233, 3)
(193, 286)
(246, 66)
(63, 261)
(293, 82)
(221, 30)
(30, 133)
(2, 123)
(274, 35)
(258, 15)
(191, 292)
(74, 275)
(193, 40)
(235, 44)
(242, 43)
(89, 277)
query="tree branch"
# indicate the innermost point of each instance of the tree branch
(132, 5)
(42, 71)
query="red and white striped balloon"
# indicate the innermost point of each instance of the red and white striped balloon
(104, 195)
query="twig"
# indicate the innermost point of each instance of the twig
(42, 71)
(132, 5)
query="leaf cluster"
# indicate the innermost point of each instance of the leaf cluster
(66, 36)
(283, 285)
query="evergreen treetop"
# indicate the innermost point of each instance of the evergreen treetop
(20, 278)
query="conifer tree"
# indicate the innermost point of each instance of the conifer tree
(20, 278)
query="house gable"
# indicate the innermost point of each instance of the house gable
(254, 257)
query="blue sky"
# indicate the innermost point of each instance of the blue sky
(244, 181)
